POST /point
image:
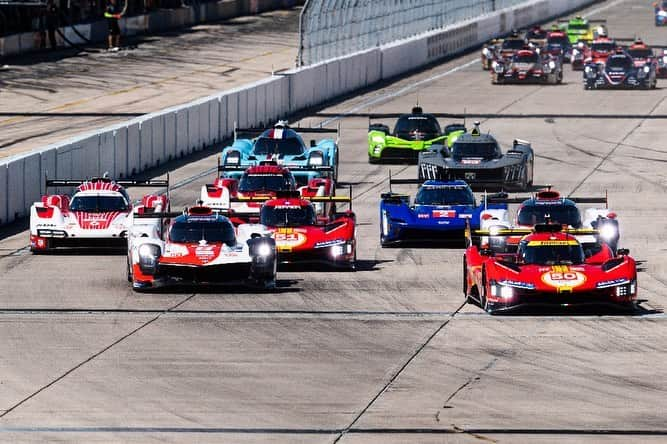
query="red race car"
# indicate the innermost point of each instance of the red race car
(600, 50)
(303, 237)
(262, 182)
(548, 269)
(642, 55)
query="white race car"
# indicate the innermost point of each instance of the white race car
(199, 246)
(95, 215)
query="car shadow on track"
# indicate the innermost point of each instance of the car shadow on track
(575, 311)
(282, 286)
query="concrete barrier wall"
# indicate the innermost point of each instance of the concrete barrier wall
(156, 138)
(144, 24)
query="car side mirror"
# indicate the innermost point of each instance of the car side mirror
(313, 143)
(623, 252)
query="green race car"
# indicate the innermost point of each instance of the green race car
(412, 134)
(579, 29)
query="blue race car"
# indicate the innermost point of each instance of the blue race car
(285, 146)
(440, 212)
(660, 8)
(620, 71)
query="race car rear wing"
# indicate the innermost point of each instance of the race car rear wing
(519, 200)
(327, 168)
(296, 195)
(255, 132)
(52, 183)
(510, 232)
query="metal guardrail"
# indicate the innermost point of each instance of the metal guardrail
(334, 28)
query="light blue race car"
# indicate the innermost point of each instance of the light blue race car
(441, 212)
(283, 145)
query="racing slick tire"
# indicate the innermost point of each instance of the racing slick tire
(467, 297)
(129, 271)
(484, 303)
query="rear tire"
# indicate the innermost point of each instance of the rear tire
(129, 271)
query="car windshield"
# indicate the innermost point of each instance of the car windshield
(558, 41)
(525, 58)
(536, 34)
(422, 124)
(486, 150)
(513, 44)
(641, 53)
(538, 214)
(619, 63)
(98, 204)
(578, 27)
(265, 182)
(285, 147)
(551, 252)
(287, 215)
(603, 47)
(193, 231)
(444, 195)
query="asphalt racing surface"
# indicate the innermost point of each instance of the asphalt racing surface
(388, 354)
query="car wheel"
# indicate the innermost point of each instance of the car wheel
(524, 179)
(484, 303)
(129, 271)
(465, 281)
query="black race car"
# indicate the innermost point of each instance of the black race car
(478, 159)
(620, 71)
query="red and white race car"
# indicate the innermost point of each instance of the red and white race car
(549, 268)
(303, 237)
(95, 215)
(258, 183)
(199, 246)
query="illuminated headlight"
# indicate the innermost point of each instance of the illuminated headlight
(626, 289)
(233, 158)
(385, 223)
(264, 250)
(486, 52)
(148, 258)
(608, 232)
(338, 250)
(502, 291)
(664, 59)
(316, 159)
(498, 68)
(647, 69)
(642, 72)
(377, 149)
(494, 230)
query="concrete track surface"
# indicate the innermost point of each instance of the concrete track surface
(389, 354)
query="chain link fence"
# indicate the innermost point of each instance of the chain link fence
(332, 28)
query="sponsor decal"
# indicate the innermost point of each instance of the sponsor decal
(552, 243)
(329, 243)
(288, 238)
(517, 284)
(471, 161)
(423, 216)
(563, 278)
(444, 213)
(612, 283)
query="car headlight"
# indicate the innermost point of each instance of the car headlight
(385, 223)
(316, 158)
(502, 291)
(664, 59)
(264, 250)
(486, 52)
(608, 232)
(647, 69)
(498, 67)
(148, 258)
(233, 158)
(628, 289)
(377, 149)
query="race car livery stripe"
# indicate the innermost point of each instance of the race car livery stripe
(95, 221)
(99, 186)
(552, 243)
(277, 133)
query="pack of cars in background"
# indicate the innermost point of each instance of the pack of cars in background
(528, 65)
(285, 146)
(413, 133)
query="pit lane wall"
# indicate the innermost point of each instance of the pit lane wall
(153, 22)
(151, 140)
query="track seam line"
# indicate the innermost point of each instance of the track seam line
(92, 357)
(397, 374)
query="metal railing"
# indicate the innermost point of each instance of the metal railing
(332, 28)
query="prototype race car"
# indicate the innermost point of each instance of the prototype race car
(579, 28)
(619, 72)
(304, 238)
(642, 55)
(94, 216)
(285, 146)
(478, 159)
(501, 49)
(558, 45)
(200, 246)
(599, 50)
(262, 181)
(660, 8)
(412, 134)
(528, 66)
(661, 70)
(580, 52)
(548, 206)
(549, 268)
(441, 211)
(537, 36)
